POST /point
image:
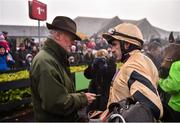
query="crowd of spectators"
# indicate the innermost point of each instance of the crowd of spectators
(16, 57)
(82, 52)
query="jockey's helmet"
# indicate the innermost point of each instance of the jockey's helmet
(126, 32)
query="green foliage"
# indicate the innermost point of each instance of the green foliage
(24, 74)
(78, 68)
(14, 95)
(8, 77)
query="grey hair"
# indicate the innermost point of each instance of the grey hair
(52, 33)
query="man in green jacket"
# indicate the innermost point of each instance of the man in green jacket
(53, 91)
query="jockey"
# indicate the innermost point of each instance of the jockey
(138, 76)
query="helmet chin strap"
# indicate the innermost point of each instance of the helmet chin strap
(124, 51)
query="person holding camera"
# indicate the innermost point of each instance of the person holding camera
(101, 72)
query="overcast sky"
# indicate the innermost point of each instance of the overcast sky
(161, 13)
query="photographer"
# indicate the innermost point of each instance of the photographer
(101, 72)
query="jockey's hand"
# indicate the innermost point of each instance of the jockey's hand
(90, 97)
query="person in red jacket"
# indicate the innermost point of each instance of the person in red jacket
(4, 43)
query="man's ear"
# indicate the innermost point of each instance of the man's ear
(126, 45)
(58, 36)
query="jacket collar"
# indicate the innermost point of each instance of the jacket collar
(127, 55)
(57, 51)
(134, 52)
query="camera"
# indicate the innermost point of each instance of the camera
(99, 63)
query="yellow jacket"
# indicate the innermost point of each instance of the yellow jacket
(138, 77)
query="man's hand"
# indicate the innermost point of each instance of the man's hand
(90, 97)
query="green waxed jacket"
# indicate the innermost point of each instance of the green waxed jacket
(171, 85)
(53, 91)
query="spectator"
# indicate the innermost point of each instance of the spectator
(29, 58)
(34, 51)
(101, 44)
(71, 60)
(79, 47)
(88, 57)
(11, 42)
(21, 56)
(73, 57)
(4, 43)
(84, 49)
(169, 83)
(91, 44)
(29, 47)
(101, 73)
(5, 59)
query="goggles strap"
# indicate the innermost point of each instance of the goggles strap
(125, 53)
